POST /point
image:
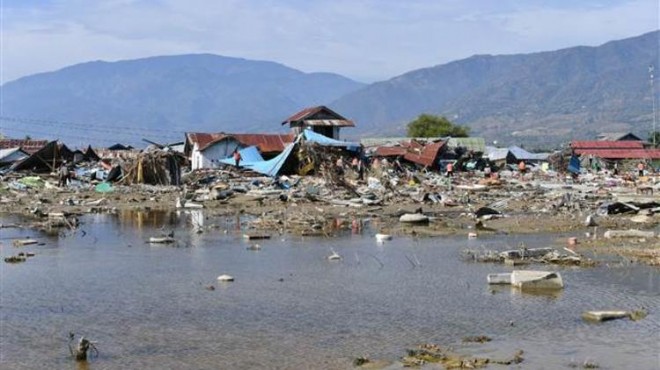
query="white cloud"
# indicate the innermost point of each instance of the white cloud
(364, 39)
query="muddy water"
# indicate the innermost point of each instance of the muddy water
(291, 308)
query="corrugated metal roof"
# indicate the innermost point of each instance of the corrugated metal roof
(267, 143)
(496, 154)
(383, 141)
(621, 153)
(304, 114)
(427, 156)
(12, 155)
(522, 154)
(28, 146)
(391, 151)
(602, 144)
(329, 122)
(615, 136)
(203, 139)
(413, 151)
(311, 117)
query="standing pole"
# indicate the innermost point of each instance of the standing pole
(654, 134)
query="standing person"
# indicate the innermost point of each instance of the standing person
(237, 157)
(63, 173)
(450, 169)
(640, 168)
(522, 168)
(616, 168)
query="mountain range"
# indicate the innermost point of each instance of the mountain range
(534, 99)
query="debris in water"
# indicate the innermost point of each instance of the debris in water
(334, 256)
(477, 339)
(84, 346)
(225, 278)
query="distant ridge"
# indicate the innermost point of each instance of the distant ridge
(162, 96)
(538, 99)
(528, 98)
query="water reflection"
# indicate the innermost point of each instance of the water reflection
(149, 307)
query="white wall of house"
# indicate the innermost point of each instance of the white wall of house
(208, 158)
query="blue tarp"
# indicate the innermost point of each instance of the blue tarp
(574, 165)
(249, 154)
(270, 167)
(314, 137)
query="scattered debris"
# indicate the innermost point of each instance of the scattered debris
(79, 353)
(334, 256)
(477, 339)
(383, 237)
(530, 280)
(254, 236)
(359, 361)
(614, 315)
(431, 353)
(225, 278)
(609, 234)
(161, 240)
(254, 247)
(24, 242)
(414, 218)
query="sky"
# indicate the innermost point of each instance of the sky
(366, 40)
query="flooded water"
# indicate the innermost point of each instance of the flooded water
(291, 308)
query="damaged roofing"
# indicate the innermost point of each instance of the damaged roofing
(267, 143)
(319, 116)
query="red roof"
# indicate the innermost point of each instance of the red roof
(267, 143)
(607, 145)
(621, 153)
(303, 114)
(28, 146)
(203, 139)
(427, 156)
(313, 117)
(390, 151)
(413, 151)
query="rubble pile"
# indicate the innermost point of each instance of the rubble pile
(322, 190)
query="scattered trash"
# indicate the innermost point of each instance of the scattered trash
(431, 353)
(254, 247)
(383, 237)
(161, 240)
(79, 353)
(255, 236)
(609, 234)
(614, 315)
(334, 256)
(414, 218)
(225, 278)
(477, 339)
(24, 242)
(359, 361)
(529, 280)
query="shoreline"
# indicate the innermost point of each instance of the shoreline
(528, 208)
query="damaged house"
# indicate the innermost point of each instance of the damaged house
(206, 150)
(321, 120)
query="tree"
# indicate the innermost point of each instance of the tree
(428, 125)
(655, 135)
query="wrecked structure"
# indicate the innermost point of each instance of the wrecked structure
(321, 120)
